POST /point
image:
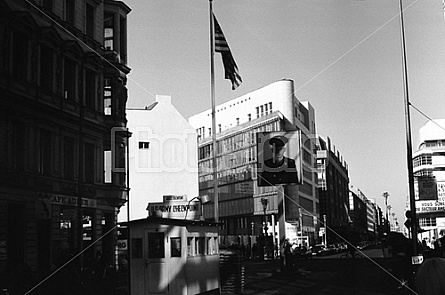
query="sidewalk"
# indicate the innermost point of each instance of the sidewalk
(320, 277)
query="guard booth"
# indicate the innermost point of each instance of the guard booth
(173, 256)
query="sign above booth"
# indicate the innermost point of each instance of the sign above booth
(175, 209)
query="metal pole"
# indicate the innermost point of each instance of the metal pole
(212, 86)
(325, 231)
(409, 155)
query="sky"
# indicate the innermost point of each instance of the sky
(344, 56)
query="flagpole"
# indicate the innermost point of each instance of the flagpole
(212, 86)
(408, 139)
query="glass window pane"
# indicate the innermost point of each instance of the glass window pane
(175, 244)
(156, 245)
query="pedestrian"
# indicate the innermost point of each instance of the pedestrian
(287, 251)
(430, 279)
(254, 251)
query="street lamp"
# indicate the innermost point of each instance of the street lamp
(203, 200)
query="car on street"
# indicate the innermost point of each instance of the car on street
(318, 250)
(301, 252)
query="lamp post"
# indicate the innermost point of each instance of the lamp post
(202, 200)
(325, 231)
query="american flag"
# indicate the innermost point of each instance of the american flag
(230, 67)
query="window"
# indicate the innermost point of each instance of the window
(249, 117)
(89, 19)
(69, 79)
(144, 145)
(122, 37)
(189, 246)
(46, 68)
(109, 31)
(90, 89)
(45, 152)
(48, 5)
(199, 246)
(107, 96)
(136, 248)
(156, 245)
(69, 11)
(68, 157)
(175, 247)
(89, 163)
(20, 56)
(18, 146)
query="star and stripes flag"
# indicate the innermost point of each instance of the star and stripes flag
(230, 67)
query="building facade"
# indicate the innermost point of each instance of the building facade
(248, 211)
(163, 157)
(62, 106)
(429, 177)
(333, 190)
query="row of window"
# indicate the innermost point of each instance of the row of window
(28, 148)
(422, 160)
(196, 246)
(73, 74)
(238, 141)
(261, 110)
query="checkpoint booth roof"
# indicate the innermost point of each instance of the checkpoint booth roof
(173, 256)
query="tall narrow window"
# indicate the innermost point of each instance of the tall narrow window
(107, 95)
(109, 31)
(89, 20)
(46, 68)
(69, 79)
(90, 89)
(20, 56)
(122, 40)
(69, 11)
(45, 152)
(48, 5)
(89, 163)
(69, 162)
(18, 146)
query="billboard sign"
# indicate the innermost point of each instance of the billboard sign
(279, 158)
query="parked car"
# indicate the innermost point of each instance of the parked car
(301, 252)
(331, 249)
(318, 250)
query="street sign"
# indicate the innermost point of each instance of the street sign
(416, 260)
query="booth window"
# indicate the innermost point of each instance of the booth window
(175, 247)
(199, 246)
(156, 245)
(189, 246)
(136, 248)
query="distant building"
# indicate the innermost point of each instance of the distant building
(238, 122)
(163, 157)
(429, 176)
(63, 68)
(333, 190)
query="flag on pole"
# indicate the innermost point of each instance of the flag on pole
(230, 67)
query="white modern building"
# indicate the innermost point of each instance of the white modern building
(163, 157)
(247, 210)
(429, 174)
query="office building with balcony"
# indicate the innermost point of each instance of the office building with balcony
(63, 68)
(429, 178)
(248, 211)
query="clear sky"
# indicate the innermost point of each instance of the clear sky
(343, 55)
